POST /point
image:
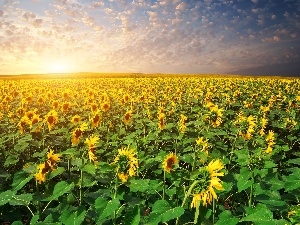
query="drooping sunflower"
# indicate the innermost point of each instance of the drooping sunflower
(34, 120)
(24, 124)
(182, 123)
(169, 162)
(51, 119)
(246, 125)
(126, 163)
(127, 117)
(48, 165)
(161, 121)
(207, 180)
(91, 142)
(77, 133)
(263, 123)
(270, 141)
(203, 143)
(96, 119)
(94, 107)
(215, 116)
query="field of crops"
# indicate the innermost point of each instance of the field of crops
(171, 150)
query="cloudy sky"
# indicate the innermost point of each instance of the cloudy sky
(148, 36)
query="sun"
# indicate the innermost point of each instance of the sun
(59, 66)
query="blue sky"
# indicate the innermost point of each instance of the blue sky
(148, 36)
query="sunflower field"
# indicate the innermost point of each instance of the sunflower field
(161, 150)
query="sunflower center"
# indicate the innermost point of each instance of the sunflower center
(50, 119)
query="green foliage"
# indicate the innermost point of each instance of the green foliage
(261, 179)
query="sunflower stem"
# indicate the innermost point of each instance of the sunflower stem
(251, 191)
(115, 196)
(81, 182)
(187, 194)
(164, 185)
(213, 211)
(38, 202)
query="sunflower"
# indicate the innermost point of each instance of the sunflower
(127, 163)
(75, 119)
(207, 179)
(24, 124)
(263, 123)
(40, 100)
(182, 123)
(105, 106)
(30, 114)
(170, 161)
(96, 119)
(94, 107)
(51, 119)
(77, 133)
(270, 140)
(215, 116)
(34, 120)
(161, 121)
(92, 148)
(65, 106)
(204, 144)
(246, 125)
(55, 104)
(127, 117)
(44, 168)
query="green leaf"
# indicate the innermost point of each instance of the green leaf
(17, 223)
(6, 196)
(56, 172)
(11, 159)
(158, 208)
(89, 168)
(172, 214)
(260, 215)
(243, 181)
(23, 199)
(226, 218)
(162, 212)
(139, 185)
(110, 208)
(20, 179)
(133, 217)
(60, 188)
(292, 182)
(34, 219)
(100, 203)
(273, 202)
(69, 217)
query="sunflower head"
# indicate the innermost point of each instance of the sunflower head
(75, 119)
(169, 163)
(207, 180)
(126, 163)
(127, 117)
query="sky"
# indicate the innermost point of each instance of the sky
(148, 36)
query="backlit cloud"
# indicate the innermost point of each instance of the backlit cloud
(167, 36)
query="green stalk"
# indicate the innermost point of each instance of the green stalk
(38, 202)
(115, 196)
(69, 168)
(213, 211)
(186, 196)
(81, 182)
(164, 185)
